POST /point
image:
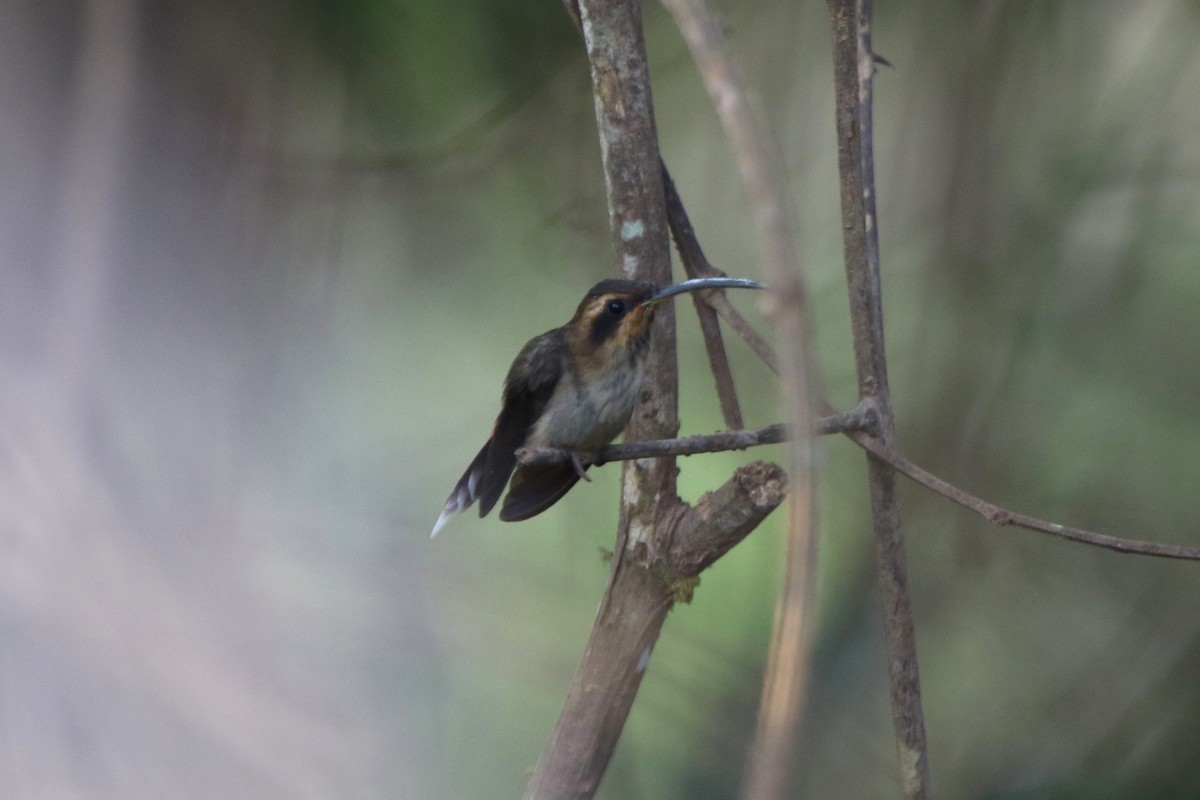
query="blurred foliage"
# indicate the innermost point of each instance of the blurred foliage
(319, 231)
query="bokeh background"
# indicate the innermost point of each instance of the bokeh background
(263, 267)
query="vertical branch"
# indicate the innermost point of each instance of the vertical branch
(853, 72)
(636, 601)
(616, 49)
(787, 672)
(662, 544)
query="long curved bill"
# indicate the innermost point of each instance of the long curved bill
(696, 284)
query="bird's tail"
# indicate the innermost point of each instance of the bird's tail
(466, 491)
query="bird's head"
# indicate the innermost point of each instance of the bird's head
(612, 322)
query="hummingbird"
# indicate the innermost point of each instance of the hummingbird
(572, 389)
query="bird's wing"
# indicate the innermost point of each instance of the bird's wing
(531, 382)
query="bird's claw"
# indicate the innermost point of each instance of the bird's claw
(580, 469)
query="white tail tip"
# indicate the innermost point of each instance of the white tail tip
(460, 499)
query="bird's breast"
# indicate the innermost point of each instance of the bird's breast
(588, 413)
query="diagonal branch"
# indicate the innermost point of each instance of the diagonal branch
(1003, 517)
(745, 330)
(696, 265)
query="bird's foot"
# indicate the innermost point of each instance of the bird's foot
(580, 469)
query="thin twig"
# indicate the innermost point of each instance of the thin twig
(695, 262)
(787, 670)
(856, 424)
(853, 68)
(1003, 517)
(695, 265)
(860, 418)
(718, 361)
(745, 330)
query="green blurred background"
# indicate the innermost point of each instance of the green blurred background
(264, 267)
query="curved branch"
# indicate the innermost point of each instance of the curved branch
(1003, 517)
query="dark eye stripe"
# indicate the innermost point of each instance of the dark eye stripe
(607, 319)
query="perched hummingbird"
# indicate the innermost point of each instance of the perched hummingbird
(573, 389)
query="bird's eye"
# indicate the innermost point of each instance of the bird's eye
(616, 307)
